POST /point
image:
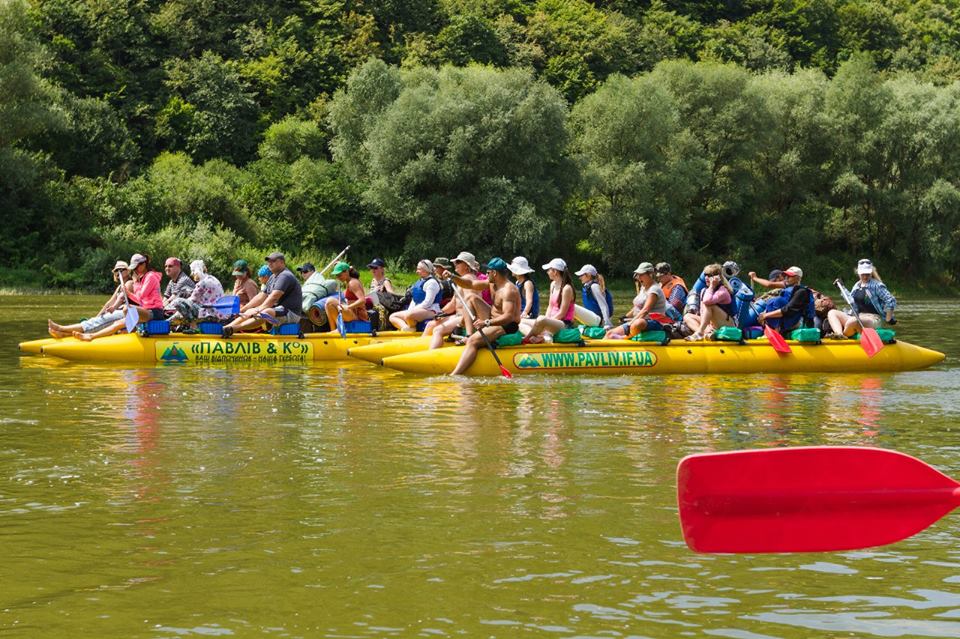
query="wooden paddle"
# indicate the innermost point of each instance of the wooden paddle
(809, 499)
(486, 340)
(869, 338)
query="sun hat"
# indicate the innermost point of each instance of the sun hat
(442, 262)
(427, 265)
(306, 267)
(587, 269)
(376, 263)
(340, 268)
(240, 267)
(197, 267)
(645, 267)
(276, 255)
(794, 271)
(120, 266)
(468, 259)
(556, 264)
(264, 271)
(498, 264)
(136, 260)
(864, 267)
(662, 268)
(775, 274)
(520, 266)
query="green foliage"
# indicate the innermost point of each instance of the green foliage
(290, 139)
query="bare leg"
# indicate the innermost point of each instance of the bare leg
(637, 326)
(837, 321)
(58, 331)
(474, 344)
(109, 329)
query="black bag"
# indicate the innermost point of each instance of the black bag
(393, 302)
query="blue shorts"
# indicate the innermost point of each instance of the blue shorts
(652, 325)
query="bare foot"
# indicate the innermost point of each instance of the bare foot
(83, 336)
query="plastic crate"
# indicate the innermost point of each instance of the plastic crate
(357, 326)
(286, 329)
(210, 328)
(155, 327)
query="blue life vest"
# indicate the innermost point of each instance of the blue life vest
(806, 316)
(418, 294)
(535, 307)
(591, 304)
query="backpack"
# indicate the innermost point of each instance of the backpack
(446, 291)
(393, 303)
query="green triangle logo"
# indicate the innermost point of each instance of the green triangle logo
(528, 361)
(174, 354)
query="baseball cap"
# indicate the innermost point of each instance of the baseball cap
(240, 267)
(264, 271)
(442, 261)
(121, 266)
(662, 268)
(276, 255)
(306, 267)
(497, 264)
(864, 267)
(376, 263)
(587, 269)
(136, 260)
(775, 274)
(645, 267)
(556, 264)
(340, 268)
(794, 271)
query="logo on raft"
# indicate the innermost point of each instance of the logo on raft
(173, 354)
(585, 359)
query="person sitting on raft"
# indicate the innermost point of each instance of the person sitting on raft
(280, 302)
(596, 298)
(529, 296)
(200, 303)
(315, 288)
(144, 297)
(263, 276)
(560, 310)
(440, 266)
(379, 281)
(774, 281)
(351, 304)
(674, 290)
(649, 300)
(793, 308)
(504, 314)
(872, 301)
(180, 285)
(109, 313)
(453, 314)
(716, 304)
(243, 286)
(425, 300)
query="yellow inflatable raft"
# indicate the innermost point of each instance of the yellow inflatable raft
(618, 357)
(256, 348)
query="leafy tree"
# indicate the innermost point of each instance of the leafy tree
(290, 139)
(470, 38)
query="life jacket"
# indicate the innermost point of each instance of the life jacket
(418, 294)
(590, 302)
(446, 292)
(669, 286)
(535, 307)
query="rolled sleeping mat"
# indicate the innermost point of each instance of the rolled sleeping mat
(585, 316)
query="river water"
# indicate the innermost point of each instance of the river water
(343, 500)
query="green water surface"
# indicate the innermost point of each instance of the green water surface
(344, 500)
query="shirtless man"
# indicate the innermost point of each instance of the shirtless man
(504, 314)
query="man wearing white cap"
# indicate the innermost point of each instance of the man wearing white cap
(794, 308)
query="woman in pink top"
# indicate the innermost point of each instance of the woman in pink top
(145, 298)
(561, 308)
(713, 299)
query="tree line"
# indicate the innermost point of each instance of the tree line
(788, 131)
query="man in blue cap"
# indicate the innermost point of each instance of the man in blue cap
(504, 313)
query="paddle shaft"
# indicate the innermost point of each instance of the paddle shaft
(486, 340)
(334, 261)
(848, 297)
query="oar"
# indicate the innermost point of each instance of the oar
(808, 499)
(869, 338)
(335, 260)
(226, 305)
(486, 340)
(132, 317)
(774, 337)
(341, 328)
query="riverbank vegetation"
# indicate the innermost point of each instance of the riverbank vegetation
(774, 132)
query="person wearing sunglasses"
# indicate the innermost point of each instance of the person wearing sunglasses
(872, 300)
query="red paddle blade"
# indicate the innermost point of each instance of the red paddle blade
(505, 372)
(660, 317)
(870, 341)
(776, 340)
(808, 499)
